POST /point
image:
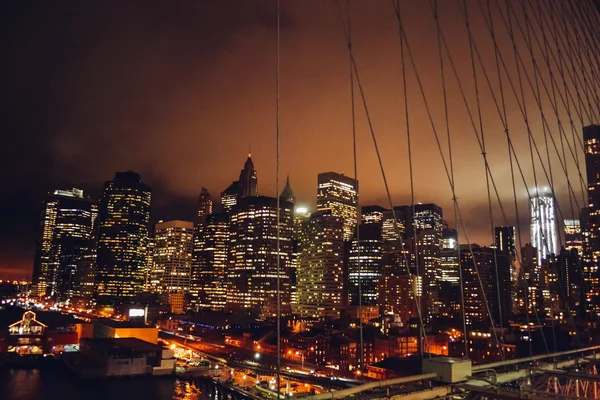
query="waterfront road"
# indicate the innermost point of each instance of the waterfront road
(263, 364)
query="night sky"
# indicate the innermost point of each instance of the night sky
(180, 91)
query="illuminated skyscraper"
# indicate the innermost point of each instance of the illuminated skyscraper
(373, 214)
(319, 274)
(172, 257)
(570, 278)
(573, 237)
(252, 270)
(248, 182)
(85, 277)
(393, 230)
(505, 239)
(205, 206)
(287, 194)
(543, 226)
(424, 233)
(477, 274)
(449, 257)
(210, 263)
(124, 216)
(448, 279)
(339, 193)
(429, 223)
(229, 197)
(532, 280)
(66, 236)
(366, 263)
(591, 137)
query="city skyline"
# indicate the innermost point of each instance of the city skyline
(309, 199)
(310, 205)
(205, 93)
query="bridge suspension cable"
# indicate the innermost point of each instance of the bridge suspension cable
(382, 170)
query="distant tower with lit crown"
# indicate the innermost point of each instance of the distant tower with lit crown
(287, 194)
(248, 182)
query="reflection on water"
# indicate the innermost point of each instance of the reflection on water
(58, 384)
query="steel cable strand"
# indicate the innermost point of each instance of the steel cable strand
(278, 200)
(503, 119)
(355, 167)
(529, 132)
(380, 161)
(436, 136)
(510, 156)
(434, 8)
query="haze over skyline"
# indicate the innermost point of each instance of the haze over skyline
(179, 91)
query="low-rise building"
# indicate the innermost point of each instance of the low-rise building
(44, 332)
(395, 367)
(108, 328)
(110, 357)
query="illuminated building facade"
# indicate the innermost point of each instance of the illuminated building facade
(424, 233)
(544, 235)
(591, 218)
(229, 197)
(532, 281)
(393, 230)
(505, 239)
(124, 216)
(67, 222)
(252, 267)
(475, 307)
(476, 293)
(339, 193)
(248, 182)
(569, 284)
(573, 237)
(85, 278)
(591, 137)
(172, 257)
(319, 275)
(397, 294)
(449, 257)
(448, 279)
(288, 194)
(210, 263)
(373, 214)
(205, 206)
(365, 262)
(429, 223)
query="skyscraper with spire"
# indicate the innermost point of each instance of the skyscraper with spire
(544, 235)
(248, 182)
(287, 194)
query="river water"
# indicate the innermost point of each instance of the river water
(57, 383)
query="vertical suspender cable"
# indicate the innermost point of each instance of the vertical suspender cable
(361, 362)
(415, 249)
(380, 161)
(529, 139)
(403, 36)
(445, 95)
(278, 202)
(473, 125)
(487, 172)
(538, 102)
